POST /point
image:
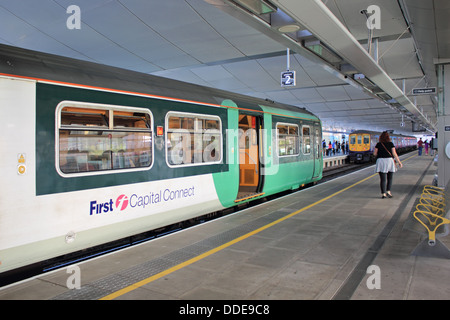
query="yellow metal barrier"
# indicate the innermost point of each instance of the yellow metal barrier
(433, 189)
(426, 199)
(432, 208)
(431, 233)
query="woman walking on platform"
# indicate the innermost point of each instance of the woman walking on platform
(385, 166)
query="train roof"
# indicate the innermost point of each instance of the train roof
(26, 63)
(379, 132)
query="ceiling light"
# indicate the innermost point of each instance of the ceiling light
(322, 50)
(258, 7)
(289, 28)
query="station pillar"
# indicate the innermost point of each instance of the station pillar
(443, 73)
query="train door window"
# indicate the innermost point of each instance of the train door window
(193, 139)
(287, 139)
(359, 139)
(319, 149)
(94, 138)
(366, 139)
(306, 134)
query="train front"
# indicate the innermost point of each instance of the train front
(359, 147)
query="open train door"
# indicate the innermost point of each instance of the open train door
(250, 178)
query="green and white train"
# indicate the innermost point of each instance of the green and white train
(92, 153)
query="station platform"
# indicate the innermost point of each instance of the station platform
(334, 161)
(314, 244)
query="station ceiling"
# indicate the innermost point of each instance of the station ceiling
(230, 45)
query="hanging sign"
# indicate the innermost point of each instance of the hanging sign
(418, 91)
(288, 79)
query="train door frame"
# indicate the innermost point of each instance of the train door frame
(251, 179)
(317, 149)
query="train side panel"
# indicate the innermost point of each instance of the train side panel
(227, 182)
(18, 207)
(35, 226)
(277, 173)
(285, 171)
(47, 212)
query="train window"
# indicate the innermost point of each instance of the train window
(98, 138)
(352, 139)
(287, 139)
(306, 139)
(359, 139)
(366, 139)
(131, 120)
(193, 139)
(318, 147)
(73, 117)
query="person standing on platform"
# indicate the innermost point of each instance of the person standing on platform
(432, 146)
(420, 146)
(426, 147)
(385, 166)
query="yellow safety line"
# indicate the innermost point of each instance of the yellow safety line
(226, 245)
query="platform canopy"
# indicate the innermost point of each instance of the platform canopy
(242, 46)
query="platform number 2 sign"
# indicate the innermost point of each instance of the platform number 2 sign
(288, 79)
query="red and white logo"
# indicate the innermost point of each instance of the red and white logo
(122, 202)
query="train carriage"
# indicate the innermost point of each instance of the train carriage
(93, 154)
(363, 142)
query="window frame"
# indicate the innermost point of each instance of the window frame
(194, 116)
(110, 128)
(298, 142)
(303, 140)
(366, 137)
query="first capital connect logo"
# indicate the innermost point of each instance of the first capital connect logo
(142, 201)
(108, 206)
(122, 202)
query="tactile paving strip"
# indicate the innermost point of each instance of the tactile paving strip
(110, 284)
